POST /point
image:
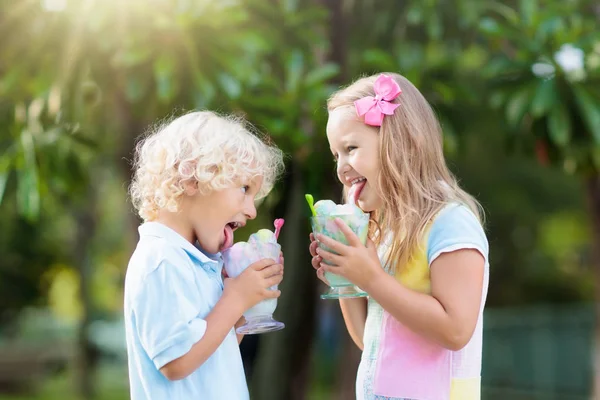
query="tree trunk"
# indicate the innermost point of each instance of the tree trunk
(281, 370)
(593, 189)
(345, 381)
(86, 354)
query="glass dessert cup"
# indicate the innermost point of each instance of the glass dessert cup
(340, 287)
(259, 318)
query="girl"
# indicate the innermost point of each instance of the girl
(426, 267)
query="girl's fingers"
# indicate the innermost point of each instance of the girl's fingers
(334, 245)
(313, 248)
(316, 261)
(321, 276)
(327, 256)
(351, 237)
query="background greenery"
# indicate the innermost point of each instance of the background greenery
(515, 85)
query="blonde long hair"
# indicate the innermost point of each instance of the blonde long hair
(414, 181)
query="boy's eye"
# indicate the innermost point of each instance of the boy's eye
(350, 148)
(245, 189)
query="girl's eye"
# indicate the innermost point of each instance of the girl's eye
(245, 189)
(350, 148)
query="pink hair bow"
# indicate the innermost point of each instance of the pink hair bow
(374, 108)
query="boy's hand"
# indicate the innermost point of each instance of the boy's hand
(316, 259)
(252, 285)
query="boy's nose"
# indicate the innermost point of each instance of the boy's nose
(250, 211)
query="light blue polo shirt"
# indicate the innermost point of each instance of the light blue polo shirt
(170, 287)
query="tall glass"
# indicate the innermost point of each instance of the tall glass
(259, 318)
(340, 287)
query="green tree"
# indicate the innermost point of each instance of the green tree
(546, 78)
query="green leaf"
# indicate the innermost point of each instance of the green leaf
(595, 152)
(321, 74)
(231, 86)
(383, 60)
(28, 194)
(549, 27)
(506, 11)
(490, 27)
(5, 164)
(559, 126)
(518, 105)
(164, 74)
(135, 87)
(295, 67)
(590, 110)
(544, 98)
(529, 11)
(434, 27)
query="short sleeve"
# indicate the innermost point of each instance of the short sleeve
(166, 317)
(455, 228)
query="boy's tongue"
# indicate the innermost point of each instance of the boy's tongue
(228, 238)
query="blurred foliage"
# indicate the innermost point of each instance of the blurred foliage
(515, 85)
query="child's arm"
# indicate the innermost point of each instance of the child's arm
(240, 293)
(449, 314)
(355, 316)
(354, 311)
(240, 322)
(166, 316)
(218, 324)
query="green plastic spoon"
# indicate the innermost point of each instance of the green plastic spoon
(311, 203)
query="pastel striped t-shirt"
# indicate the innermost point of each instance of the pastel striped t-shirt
(397, 363)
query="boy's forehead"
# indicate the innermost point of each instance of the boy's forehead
(255, 180)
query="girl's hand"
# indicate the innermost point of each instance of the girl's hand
(316, 259)
(355, 262)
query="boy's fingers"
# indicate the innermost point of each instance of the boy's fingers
(271, 294)
(312, 237)
(272, 270)
(274, 280)
(262, 264)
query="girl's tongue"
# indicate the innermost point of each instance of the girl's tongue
(355, 192)
(228, 238)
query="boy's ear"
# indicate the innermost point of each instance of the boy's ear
(190, 187)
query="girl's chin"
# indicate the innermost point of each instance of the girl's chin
(368, 205)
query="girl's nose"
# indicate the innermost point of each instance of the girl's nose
(342, 167)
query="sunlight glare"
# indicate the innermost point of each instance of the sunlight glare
(54, 5)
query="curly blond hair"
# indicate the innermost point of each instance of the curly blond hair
(216, 151)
